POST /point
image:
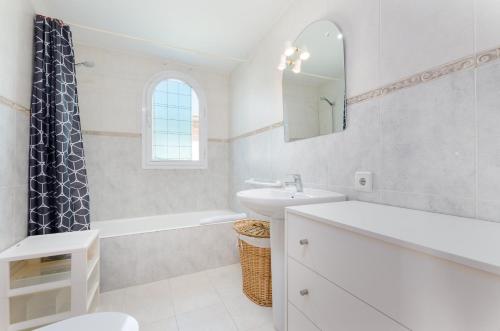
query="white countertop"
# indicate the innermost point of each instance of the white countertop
(467, 241)
(49, 244)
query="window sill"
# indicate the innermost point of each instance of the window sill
(175, 165)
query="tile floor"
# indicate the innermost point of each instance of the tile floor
(211, 300)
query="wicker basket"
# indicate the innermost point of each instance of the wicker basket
(255, 262)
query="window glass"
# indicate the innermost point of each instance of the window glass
(175, 122)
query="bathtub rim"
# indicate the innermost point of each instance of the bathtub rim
(105, 235)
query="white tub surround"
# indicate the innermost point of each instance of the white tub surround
(390, 268)
(148, 249)
(137, 225)
(222, 218)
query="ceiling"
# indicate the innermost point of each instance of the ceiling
(217, 34)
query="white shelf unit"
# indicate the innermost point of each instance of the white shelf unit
(48, 278)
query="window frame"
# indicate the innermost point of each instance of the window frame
(147, 132)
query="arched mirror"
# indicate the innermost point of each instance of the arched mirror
(314, 82)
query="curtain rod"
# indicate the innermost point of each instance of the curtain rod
(155, 42)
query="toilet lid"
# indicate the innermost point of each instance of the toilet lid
(96, 322)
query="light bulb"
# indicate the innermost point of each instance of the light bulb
(296, 66)
(282, 65)
(304, 55)
(290, 50)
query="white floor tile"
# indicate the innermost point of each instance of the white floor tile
(169, 324)
(267, 327)
(245, 313)
(192, 292)
(150, 302)
(226, 280)
(112, 301)
(211, 318)
(207, 301)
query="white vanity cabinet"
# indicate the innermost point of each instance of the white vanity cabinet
(360, 266)
(44, 279)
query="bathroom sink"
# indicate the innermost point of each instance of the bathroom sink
(272, 202)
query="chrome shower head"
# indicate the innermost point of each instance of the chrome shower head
(331, 103)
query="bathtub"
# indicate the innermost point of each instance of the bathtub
(146, 249)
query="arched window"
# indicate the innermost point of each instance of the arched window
(174, 123)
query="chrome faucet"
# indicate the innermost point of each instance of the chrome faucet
(297, 182)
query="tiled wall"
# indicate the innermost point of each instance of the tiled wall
(431, 145)
(111, 93)
(111, 100)
(120, 188)
(15, 88)
(152, 256)
(13, 175)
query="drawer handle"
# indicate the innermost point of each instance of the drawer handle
(303, 242)
(304, 292)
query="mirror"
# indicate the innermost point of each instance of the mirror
(314, 82)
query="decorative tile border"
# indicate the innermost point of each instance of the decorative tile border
(135, 135)
(13, 105)
(254, 132)
(112, 134)
(217, 140)
(466, 63)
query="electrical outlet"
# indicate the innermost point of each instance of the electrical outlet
(363, 181)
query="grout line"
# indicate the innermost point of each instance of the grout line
(379, 61)
(173, 303)
(476, 118)
(377, 178)
(223, 303)
(476, 148)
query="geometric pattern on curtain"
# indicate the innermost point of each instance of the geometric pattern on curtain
(58, 187)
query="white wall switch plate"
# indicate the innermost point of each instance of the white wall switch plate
(363, 181)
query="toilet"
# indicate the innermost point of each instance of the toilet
(95, 322)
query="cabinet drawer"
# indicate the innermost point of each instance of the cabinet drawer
(310, 242)
(418, 290)
(298, 322)
(330, 307)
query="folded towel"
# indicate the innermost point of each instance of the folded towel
(222, 218)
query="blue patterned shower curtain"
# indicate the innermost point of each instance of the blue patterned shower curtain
(58, 190)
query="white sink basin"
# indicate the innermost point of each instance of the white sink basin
(272, 202)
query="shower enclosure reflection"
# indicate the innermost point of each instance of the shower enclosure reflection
(314, 82)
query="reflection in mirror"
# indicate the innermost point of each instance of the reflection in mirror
(314, 82)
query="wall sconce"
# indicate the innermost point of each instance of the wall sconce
(292, 57)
